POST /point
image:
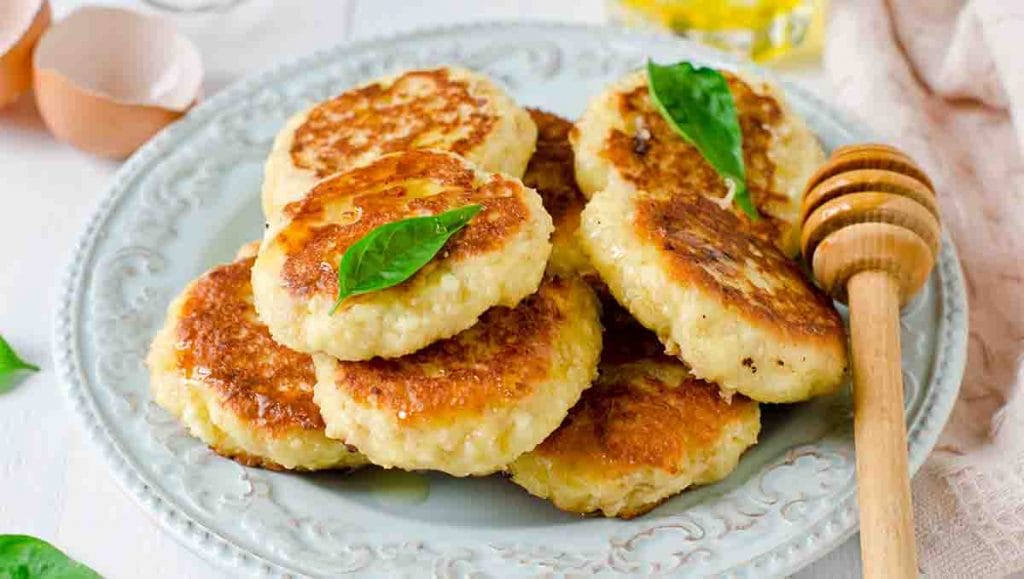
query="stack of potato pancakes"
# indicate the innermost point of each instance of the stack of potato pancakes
(602, 330)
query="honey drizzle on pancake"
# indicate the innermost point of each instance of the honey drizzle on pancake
(222, 343)
(498, 361)
(410, 184)
(419, 109)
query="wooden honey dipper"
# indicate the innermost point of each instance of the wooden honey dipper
(871, 234)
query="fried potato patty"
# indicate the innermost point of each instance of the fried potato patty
(498, 259)
(471, 404)
(449, 109)
(551, 173)
(645, 431)
(622, 134)
(711, 283)
(215, 368)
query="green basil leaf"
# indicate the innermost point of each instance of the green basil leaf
(11, 363)
(697, 104)
(394, 252)
(27, 557)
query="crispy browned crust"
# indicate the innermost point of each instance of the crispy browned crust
(631, 418)
(497, 362)
(224, 345)
(401, 116)
(640, 421)
(653, 157)
(551, 171)
(704, 246)
(386, 190)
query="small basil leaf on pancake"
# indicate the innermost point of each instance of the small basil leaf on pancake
(697, 104)
(394, 252)
(11, 363)
(25, 556)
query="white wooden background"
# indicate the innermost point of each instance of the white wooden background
(52, 483)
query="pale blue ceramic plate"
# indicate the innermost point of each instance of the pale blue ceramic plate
(189, 199)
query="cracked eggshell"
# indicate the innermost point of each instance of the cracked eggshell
(108, 79)
(22, 22)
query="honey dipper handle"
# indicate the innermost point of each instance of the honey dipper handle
(883, 480)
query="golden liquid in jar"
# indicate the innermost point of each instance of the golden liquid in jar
(764, 30)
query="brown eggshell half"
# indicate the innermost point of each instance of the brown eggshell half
(108, 79)
(22, 22)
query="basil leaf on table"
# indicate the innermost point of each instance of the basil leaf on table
(394, 252)
(697, 104)
(11, 363)
(32, 558)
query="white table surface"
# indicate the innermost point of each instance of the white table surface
(53, 484)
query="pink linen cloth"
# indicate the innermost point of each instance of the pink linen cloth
(944, 80)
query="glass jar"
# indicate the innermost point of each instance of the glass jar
(763, 30)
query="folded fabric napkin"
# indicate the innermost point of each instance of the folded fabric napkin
(944, 79)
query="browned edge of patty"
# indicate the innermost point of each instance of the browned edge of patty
(653, 157)
(632, 419)
(551, 171)
(703, 246)
(498, 361)
(391, 118)
(381, 192)
(224, 345)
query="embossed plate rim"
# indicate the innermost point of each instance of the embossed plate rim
(785, 558)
